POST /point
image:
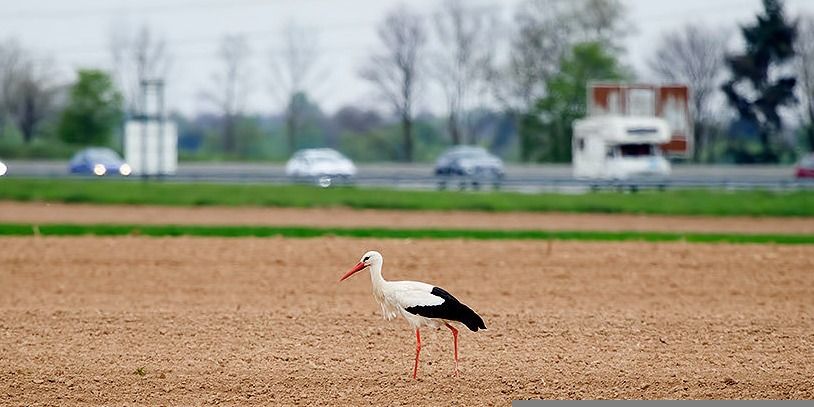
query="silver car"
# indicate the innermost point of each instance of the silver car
(469, 164)
(325, 166)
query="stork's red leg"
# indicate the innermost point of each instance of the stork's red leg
(455, 344)
(417, 351)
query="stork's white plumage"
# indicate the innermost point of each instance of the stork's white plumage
(421, 304)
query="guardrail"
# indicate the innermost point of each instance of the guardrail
(526, 183)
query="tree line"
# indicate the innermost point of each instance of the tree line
(514, 87)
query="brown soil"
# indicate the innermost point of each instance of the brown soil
(194, 321)
(341, 217)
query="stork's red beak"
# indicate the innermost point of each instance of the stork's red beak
(353, 271)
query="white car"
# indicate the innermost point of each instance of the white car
(3, 169)
(322, 165)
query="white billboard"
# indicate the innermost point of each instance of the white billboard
(151, 147)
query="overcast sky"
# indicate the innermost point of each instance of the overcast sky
(74, 34)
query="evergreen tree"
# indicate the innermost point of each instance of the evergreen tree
(769, 44)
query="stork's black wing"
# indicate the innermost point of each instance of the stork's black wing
(451, 309)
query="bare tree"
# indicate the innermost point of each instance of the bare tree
(395, 71)
(541, 38)
(462, 62)
(604, 21)
(805, 73)
(293, 68)
(35, 95)
(26, 91)
(693, 55)
(11, 67)
(230, 87)
(545, 30)
(137, 56)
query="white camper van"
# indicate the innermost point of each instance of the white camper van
(620, 148)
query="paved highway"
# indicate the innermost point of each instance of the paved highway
(526, 178)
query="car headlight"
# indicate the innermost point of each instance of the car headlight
(99, 169)
(125, 170)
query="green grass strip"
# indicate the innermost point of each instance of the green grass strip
(307, 232)
(671, 202)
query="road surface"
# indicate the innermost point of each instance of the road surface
(525, 178)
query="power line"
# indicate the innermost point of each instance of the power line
(99, 48)
(702, 11)
(203, 55)
(176, 42)
(206, 5)
(194, 5)
(198, 5)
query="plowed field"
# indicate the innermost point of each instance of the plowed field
(191, 321)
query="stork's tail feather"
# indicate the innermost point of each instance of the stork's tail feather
(450, 309)
(472, 320)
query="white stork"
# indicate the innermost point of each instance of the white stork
(421, 304)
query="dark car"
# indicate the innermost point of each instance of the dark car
(805, 168)
(98, 161)
(469, 165)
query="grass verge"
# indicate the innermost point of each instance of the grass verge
(306, 232)
(671, 202)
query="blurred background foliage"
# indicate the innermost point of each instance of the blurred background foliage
(751, 103)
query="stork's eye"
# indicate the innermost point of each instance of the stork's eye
(366, 258)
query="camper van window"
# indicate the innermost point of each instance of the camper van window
(642, 131)
(609, 153)
(636, 150)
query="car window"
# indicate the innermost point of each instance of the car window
(103, 155)
(323, 156)
(323, 159)
(469, 152)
